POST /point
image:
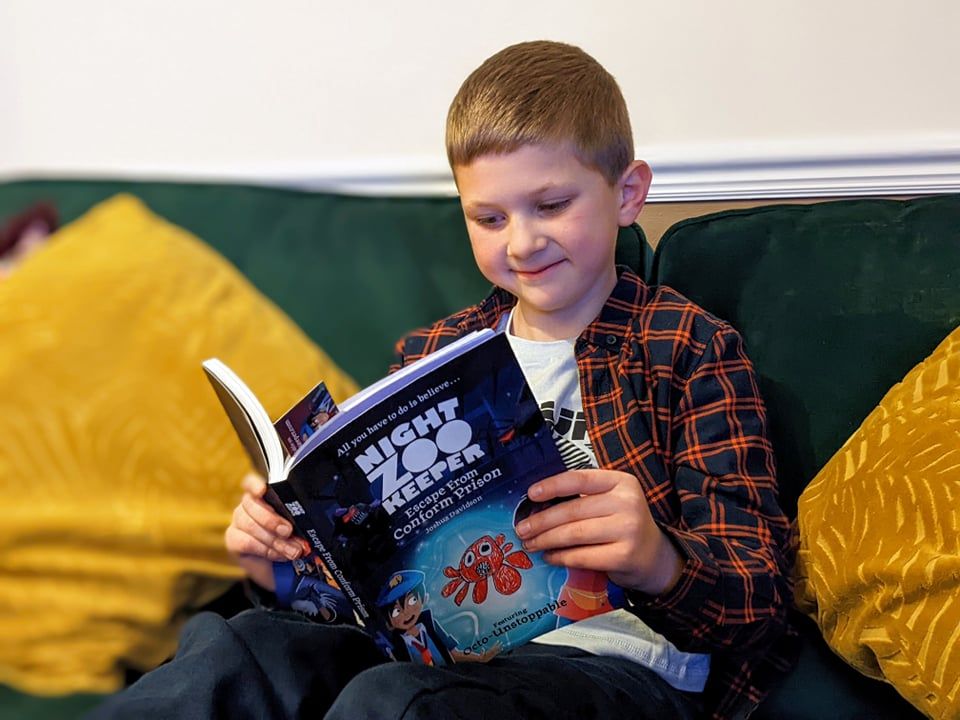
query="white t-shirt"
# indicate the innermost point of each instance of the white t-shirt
(551, 370)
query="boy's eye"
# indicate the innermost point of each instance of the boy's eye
(554, 206)
(411, 600)
(488, 220)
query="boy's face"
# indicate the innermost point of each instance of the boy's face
(543, 226)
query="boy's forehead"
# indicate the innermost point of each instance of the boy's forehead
(529, 171)
(544, 152)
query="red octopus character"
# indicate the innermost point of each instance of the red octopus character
(485, 558)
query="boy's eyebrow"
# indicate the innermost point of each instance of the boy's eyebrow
(479, 204)
(545, 189)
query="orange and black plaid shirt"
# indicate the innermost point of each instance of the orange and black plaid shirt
(671, 398)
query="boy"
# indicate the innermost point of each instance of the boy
(680, 509)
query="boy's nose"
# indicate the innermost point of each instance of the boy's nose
(526, 239)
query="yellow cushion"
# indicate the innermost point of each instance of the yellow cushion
(118, 467)
(879, 557)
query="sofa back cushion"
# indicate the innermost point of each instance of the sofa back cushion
(836, 300)
(355, 273)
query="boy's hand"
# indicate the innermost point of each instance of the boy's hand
(607, 527)
(257, 535)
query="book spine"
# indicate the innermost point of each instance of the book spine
(285, 501)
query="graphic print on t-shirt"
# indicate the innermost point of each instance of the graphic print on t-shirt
(570, 433)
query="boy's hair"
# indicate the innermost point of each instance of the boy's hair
(541, 92)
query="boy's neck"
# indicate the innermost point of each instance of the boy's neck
(531, 323)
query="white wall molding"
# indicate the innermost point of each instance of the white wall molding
(796, 169)
(694, 173)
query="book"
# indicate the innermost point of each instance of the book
(302, 420)
(409, 493)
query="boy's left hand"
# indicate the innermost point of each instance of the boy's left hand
(606, 526)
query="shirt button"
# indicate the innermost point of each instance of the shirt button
(611, 340)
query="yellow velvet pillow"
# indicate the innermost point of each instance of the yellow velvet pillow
(118, 467)
(879, 557)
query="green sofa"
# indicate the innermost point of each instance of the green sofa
(837, 301)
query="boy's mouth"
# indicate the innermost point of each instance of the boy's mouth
(537, 272)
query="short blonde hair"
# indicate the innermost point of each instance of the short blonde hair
(541, 92)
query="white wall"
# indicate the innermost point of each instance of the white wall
(747, 98)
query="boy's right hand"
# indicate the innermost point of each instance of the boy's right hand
(258, 536)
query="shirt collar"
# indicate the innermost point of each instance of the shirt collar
(607, 332)
(611, 327)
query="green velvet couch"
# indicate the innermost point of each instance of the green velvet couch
(837, 301)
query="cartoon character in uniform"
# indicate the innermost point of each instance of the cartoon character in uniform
(414, 634)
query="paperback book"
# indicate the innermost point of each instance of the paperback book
(409, 493)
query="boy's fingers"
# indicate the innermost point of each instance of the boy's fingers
(243, 520)
(576, 509)
(254, 484)
(265, 516)
(242, 543)
(595, 531)
(572, 482)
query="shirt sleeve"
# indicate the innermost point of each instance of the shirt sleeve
(734, 591)
(398, 356)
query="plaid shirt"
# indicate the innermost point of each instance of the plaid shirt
(671, 398)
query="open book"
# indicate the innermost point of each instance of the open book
(408, 494)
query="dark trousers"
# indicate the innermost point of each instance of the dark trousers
(263, 664)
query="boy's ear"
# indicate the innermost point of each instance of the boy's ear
(634, 185)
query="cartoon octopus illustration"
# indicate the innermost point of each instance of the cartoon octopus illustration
(485, 558)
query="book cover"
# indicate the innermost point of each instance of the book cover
(303, 419)
(412, 505)
(408, 496)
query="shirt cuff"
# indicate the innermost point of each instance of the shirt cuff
(697, 579)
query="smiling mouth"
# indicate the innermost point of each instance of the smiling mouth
(538, 271)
